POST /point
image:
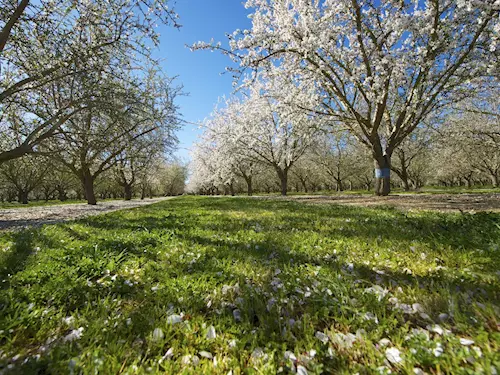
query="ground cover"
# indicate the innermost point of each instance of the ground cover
(218, 285)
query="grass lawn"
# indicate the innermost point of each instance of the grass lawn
(212, 285)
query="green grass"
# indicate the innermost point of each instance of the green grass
(284, 286)
(397, 191)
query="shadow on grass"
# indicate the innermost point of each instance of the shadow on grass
(124, 237)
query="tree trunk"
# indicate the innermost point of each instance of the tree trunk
(495, 180)
(61, 195)
(248, 180)
(283, 176)
(127, 191)
(468, 182)
(88, 188)
(23, 197)
(382, 175)
(304, 184)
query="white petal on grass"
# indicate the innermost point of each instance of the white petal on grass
(73, 335)
(211, 333)
(169, 354)
(384, 342)
(425, 316)
(466, 342)
(393, 355)
(205, 354)
(378, 291)
(418, 371)
(232, 343)
(321, 337)
(438, 350)
(436, 328)
(478, 351)
(290, 355)
(371, 316)
(418, 307)
(331, 352)
(158, 334)
(174, 319)
(258, 353)
(68, 320)
(301, 370)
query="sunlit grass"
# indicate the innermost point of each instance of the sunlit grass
(284, 286)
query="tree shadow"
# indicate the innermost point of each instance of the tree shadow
(268, 249)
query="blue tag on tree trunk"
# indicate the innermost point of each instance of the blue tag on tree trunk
(382, 173)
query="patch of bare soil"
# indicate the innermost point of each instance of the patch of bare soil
(18, 218)
(435, 202)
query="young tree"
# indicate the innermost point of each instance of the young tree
(380, 67)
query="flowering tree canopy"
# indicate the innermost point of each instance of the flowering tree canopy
(46, 42)
(378, 67)
(260, 129)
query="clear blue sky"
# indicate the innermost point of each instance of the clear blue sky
(199, 71)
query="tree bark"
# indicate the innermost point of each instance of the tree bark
(495, 180)
(88, 188)
(23, 197)
(248, 180)
(61, 194)
(127, 191)
(283, 176)
(382, 175)
(304, 184)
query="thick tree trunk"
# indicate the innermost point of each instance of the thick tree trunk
(23, 197)
(248, 180)
(231, 189)
(283, 176)
(127, 192)
(340, 185)
(61, 195)
(382, 175)
(495, 180)
(88, 188)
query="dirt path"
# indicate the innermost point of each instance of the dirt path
(435, 202)
(16, 218)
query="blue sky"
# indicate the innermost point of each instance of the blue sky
(199, 71)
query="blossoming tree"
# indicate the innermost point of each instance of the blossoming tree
(260, 129)
(379, 67)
